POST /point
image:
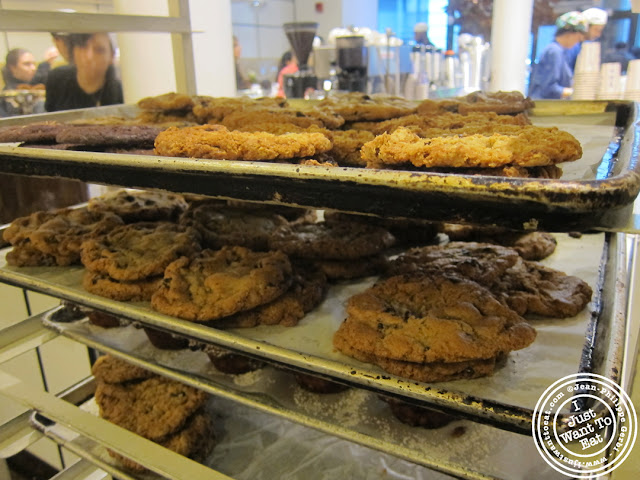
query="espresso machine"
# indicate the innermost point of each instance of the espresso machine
(352, 58)
(300, 35)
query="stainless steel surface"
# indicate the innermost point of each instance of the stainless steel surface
(356, 416)
(153, 456)
(23, 337)
(594, 192)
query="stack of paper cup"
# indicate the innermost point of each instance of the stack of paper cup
(609, 88)
(587, 73)
(632, 87)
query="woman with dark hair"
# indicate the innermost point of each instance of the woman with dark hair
(552, 77)
(90, 81)
(288, 65)
(19, 69)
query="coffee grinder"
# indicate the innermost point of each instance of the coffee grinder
(353, 61)
(300, 35)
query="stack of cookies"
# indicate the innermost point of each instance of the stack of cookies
(55, 238)
(454, 311)
(431, 328)
(157, 408)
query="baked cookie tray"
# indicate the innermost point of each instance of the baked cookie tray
(592, 341)
(259, 441)
(595, 192)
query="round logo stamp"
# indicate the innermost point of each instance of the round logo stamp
(584, 424)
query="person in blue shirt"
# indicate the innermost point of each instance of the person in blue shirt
(551, 76)
(596, 19)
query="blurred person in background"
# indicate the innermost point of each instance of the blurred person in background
(42, 72)
(288, 65)
(596, 19)
(421, 35)
(552, 77)
(90, 81)
(19, 70)
(241, 82)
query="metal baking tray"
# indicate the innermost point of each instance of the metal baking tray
(268, 404)
(594, 192)
(593, 341)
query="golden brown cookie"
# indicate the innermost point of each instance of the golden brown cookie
(219, 283)
(153, 408)
(55, 235)
(216, 142)
(432, 318)
(195, 440)
(307, 290)
(121, 290)
(421, 372)
(531, 146)
(167, 101)
(110, 369)
(139, 250)
(358, 107)
(140, 205)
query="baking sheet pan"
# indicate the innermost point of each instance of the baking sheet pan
(256, 445)
(596, 191)
(506, 399)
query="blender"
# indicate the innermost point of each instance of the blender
(300, 35)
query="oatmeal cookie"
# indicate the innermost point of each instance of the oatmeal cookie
(531, 147)
(121, 290)
(167, 101)
(194, 441)
(217, 284)
(307, 290)
(153, 408)
(481, 262)
(421, 372)
(432, 318)
(139, 250)
(531, 288)
(335, 241)
(444, 121)
(499, 102)
(140, 205)
(356, 106)
(216, 142)
(303, 118)
(213, 109)
(55, 235)
(347, 145)
(232, 226)
(110, 369)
